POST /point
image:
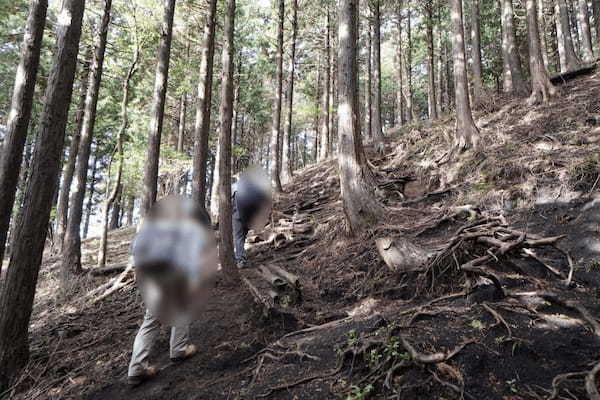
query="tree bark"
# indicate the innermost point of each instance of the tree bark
(408, 66)
(596, 9)
(28, 242)
(476, 51)
(276, 129)
(431, 101)
(360, 207)
(90, 202)
(71, 260)
(569, 60)
(324, 141)
(62, 210)
(514, 82)
(376, 125)
(181, 126)
(586, 33)
(466, 133)
(542, 29)
(541, 87)
(226, 114)
(158, 108)
(400, 83)
(287, 139)
(369, 83)
(11, 154)
(203, 107)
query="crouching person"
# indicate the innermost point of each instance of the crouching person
(252, 204)
(174, 256)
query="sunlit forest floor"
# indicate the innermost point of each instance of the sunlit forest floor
(363, 330)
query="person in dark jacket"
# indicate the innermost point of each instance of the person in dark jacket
(251, 209)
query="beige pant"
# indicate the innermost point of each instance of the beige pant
(145, 339)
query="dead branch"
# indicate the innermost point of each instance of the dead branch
(435, 357)
(590, 383)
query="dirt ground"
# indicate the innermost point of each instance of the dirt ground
(363, 330)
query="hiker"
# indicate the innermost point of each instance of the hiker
(174, 255)
(251, 209)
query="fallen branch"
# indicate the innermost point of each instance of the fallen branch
(435, 357)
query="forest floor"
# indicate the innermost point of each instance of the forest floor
(491, 314)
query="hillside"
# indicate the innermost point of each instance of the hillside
(505, 307)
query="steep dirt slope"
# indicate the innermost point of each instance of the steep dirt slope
(362, 330)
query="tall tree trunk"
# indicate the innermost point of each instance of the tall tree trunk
(28, 240)
(158, 108)
(216, 179)
(431, 101)
(408, 65)
(203, 107)
(62, 210)
(111, 196)
(276, 129)
(315, 148)
(513, 74)
(596, 9)
(476, 51)
(130, 210)
(466, 133)
(376, 124)
(71, 260)
(226, 115)
(11, 155)
(360, 207)
(541, 87)
(287, 139)
(542, 31)
(181, 127)
(586, 33)
(369, 83)
(400, 78)
(570, 61)
(324, 142)
(90, 202)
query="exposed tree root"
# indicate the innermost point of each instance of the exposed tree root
(590, 383)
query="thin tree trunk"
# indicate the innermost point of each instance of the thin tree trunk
(62, 210)
(360, 207)
(276, 129)
(400, 83)
(586, 33)
(513, 74)
(28, 240)
(90, 202)
(318, 111)
(71, 260)
(181, 127)
(158, 108)
(111, 197)
(542, 29)
(203, 108)
(431, 101)
(569, 62)
(287, 139)
(376, 125)
(226, 113)
(476, 51)
(466, 133)
(408, 66)
(216, 179)
(11, 155)
(369, 83)
(324, 141)
(541, 87)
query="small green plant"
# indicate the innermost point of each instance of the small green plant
(477, 324)
(352, 338)
(360, 394)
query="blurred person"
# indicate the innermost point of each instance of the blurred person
(174, 256)
(252, 202)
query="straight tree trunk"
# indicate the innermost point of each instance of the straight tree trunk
(514, 82)
(400, 78)
(181, 127)
(216, 179)
(287, 139)
(90, 202)
(369, 83)
(360, 207)
(203, 107)
(569, 62)
(226, 114)
(11, 154)
(431, 100)
(71, 260)
(276, 129)
(586, 33)
(158, 108)
(466, 134)
(542, 29)
(324, 142)
(596, 9)
(476, 51)
(111, 196)
(408, 66)
(541, 87)
(318, 111)
(376, 124)
(28, 241)
(62, 210)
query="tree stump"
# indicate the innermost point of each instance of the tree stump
(401, 255)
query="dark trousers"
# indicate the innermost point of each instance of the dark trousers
(240, 231)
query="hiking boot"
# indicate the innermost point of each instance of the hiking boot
(189, 352)
(137, 380)
(244, 264)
